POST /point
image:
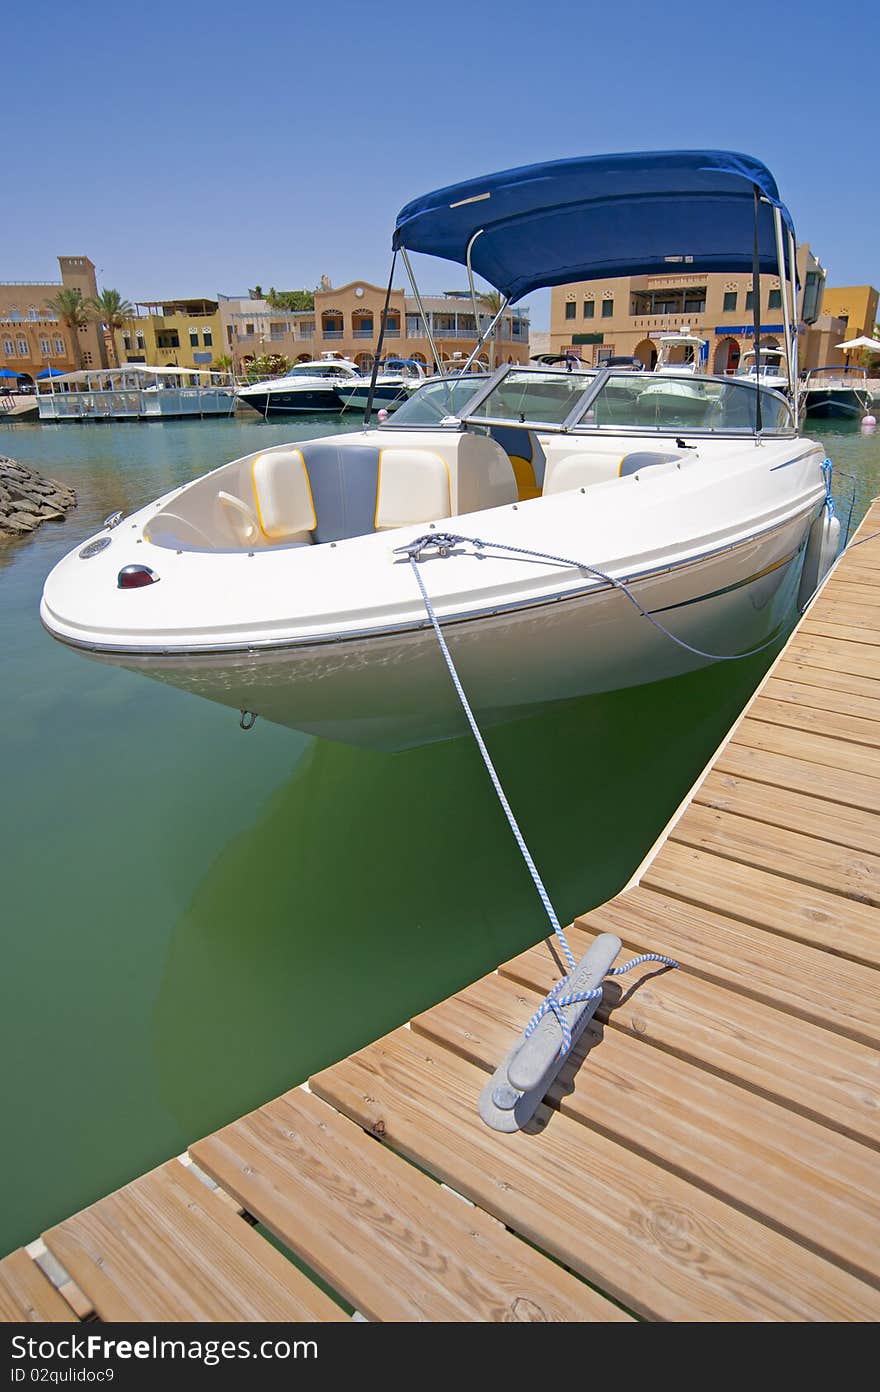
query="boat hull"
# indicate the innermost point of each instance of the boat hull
(294, 403)
(389, 397)
(832, 404)
(392, 691)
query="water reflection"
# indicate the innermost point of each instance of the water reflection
(373, 885)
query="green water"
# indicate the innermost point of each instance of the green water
(194, 919)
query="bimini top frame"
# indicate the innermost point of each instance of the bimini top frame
(600, 216)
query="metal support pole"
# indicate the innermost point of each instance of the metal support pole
(415, 289)
(795, 320)
(786, 311)
(505, 301)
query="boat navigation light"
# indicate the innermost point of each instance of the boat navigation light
(133, 577)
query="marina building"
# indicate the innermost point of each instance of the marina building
(626, 317)
(347, 320)
(172, 333)
(32, 339)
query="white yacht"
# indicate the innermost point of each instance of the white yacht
(773, 370)
(569, 538)
(682, 356)
(309, 387)
(395, 382)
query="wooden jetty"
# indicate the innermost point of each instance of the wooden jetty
(709, 1152)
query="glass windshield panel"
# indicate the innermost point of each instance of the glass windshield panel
(434, 400)
(648, 401)
(524, 395)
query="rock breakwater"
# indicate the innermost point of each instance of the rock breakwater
(27, 499)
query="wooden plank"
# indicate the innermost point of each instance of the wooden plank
(830, 991)
(393, 1242)
(834, 754)
(780, 807)
(166, 1248)
(26, 1294)
(815, 697)
(857, 585)
(835, 654)
(741, 891)
(800, 859)
(843, 608)
(743, 1040)
(661, 1246)
(821, 1190)
(795, 715)
(782, 771)
(793, 667)
(824, 626)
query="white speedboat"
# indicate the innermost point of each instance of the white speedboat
(772, 371)
(285, 584)
(309, 388)
(395, 383)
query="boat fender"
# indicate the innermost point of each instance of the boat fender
(512, 1096)
(823, 544)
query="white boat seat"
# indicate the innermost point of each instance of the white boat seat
(240, 520)
(283, 496)
(585, 467)
(413, 487)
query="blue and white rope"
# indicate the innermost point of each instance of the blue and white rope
(827, 473)
(554, 1001)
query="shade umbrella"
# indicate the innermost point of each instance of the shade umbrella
(7, 372)
(51, 372)
(854, 343)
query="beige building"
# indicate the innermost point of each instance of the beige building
(626, 317)
(31, 337)
(346, 321)
(173, 333)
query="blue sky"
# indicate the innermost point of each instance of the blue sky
(194, 148)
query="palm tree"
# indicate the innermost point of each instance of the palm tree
(112, 311)
(70, 308)
(492, 300)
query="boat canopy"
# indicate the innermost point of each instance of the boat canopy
(600, 216)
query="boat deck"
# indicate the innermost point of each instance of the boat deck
(709, 1152)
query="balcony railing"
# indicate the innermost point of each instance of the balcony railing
(361, 333)
(392, 333)
(305, 333)
(332, 333)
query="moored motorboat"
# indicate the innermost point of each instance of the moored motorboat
(769, 369)
(395, 382)
(682, 356)
(561, 535)
(836, 393)
(308, 388)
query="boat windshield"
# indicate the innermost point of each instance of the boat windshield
(529, 395)
(434, 401)
(854, 376)
(639, 401)
(328, 369)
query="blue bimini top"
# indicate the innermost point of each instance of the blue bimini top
(601, 216)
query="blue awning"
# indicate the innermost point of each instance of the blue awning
(51, 372)
(659, 212)
(742, 330)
